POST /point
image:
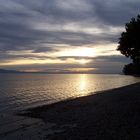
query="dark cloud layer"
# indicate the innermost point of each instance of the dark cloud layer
(116, 12)
(17, 18)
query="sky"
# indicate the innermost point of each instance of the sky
(64, 35)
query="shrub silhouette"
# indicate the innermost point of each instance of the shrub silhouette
(129, 45)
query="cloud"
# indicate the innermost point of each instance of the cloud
(50, 26)
(19, 17)
(116, 12)
(110, 64)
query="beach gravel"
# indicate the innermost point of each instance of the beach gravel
(109, 115)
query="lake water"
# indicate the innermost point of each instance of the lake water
(20, 91)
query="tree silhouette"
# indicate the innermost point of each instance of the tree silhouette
(129, 45)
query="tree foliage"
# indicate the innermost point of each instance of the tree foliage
(129, 44)
(131, 69)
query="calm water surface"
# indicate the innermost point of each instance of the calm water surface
(19, 91)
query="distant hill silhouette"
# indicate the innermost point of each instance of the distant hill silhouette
(9, 71)
(61, 72)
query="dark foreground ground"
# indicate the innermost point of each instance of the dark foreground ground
(110, 115)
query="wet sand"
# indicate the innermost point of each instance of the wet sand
(108, 115)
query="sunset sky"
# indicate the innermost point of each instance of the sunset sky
(64, 35)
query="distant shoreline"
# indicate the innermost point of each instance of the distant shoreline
(4, 71)
(112, 114)
(58, 73)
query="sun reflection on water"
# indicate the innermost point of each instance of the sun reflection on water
(82, 82)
